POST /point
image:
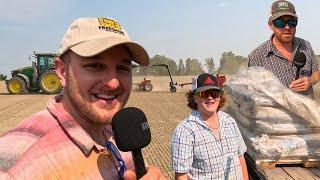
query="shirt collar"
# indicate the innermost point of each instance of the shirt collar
(71, 127)
(195, 116)
(272, 49)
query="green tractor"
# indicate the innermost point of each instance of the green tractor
(40, 76)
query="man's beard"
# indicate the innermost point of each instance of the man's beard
(84, 107)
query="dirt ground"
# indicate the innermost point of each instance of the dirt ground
(163, 109)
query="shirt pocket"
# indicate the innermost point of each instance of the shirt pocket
(207, 157)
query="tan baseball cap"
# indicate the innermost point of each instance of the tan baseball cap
(281, 8)
(88, 37)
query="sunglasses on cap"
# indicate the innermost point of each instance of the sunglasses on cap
(280, 23)
(210, 92)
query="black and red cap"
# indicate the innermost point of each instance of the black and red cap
(204, 82)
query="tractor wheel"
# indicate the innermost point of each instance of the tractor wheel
(173, 89)
(148, 87)
(50, 83)
(16, 85)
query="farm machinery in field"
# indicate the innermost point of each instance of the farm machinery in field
(40, 76)
(146, 85)
(221, 80)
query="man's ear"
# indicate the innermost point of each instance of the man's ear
(61, 70)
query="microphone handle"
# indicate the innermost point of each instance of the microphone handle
(297, 73)
(138, 163)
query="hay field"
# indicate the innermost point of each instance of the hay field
(163, 109)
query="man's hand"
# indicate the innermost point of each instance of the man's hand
(301, 84)
(153, 173)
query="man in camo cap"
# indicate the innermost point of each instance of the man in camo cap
(277, 54)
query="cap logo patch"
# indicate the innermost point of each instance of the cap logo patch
(208, 81)
(283, 5)
(110, 25)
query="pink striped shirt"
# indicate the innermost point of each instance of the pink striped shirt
(51, 145)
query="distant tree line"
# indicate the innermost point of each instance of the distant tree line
(3, 77)
(229, 64)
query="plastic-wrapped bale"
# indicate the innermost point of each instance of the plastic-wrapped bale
(254, 89)
(272, 126)
(247, 98)
(278, 125)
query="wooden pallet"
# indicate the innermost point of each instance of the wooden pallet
(300, 161)
(282, 171)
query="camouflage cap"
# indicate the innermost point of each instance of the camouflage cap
(281, 8)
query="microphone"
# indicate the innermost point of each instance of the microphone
(132, 133)
(299, 60)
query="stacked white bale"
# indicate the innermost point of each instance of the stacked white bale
(274, 121)
(262, 115)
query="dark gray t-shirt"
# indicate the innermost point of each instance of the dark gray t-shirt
(267, 56)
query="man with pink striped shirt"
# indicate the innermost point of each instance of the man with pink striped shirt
(72, 138)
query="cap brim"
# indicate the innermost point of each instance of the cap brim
(204, 88)
(97, 46)
(277, 15)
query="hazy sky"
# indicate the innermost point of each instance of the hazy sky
(175, 28)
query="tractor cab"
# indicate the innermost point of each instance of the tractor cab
(45, 62)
